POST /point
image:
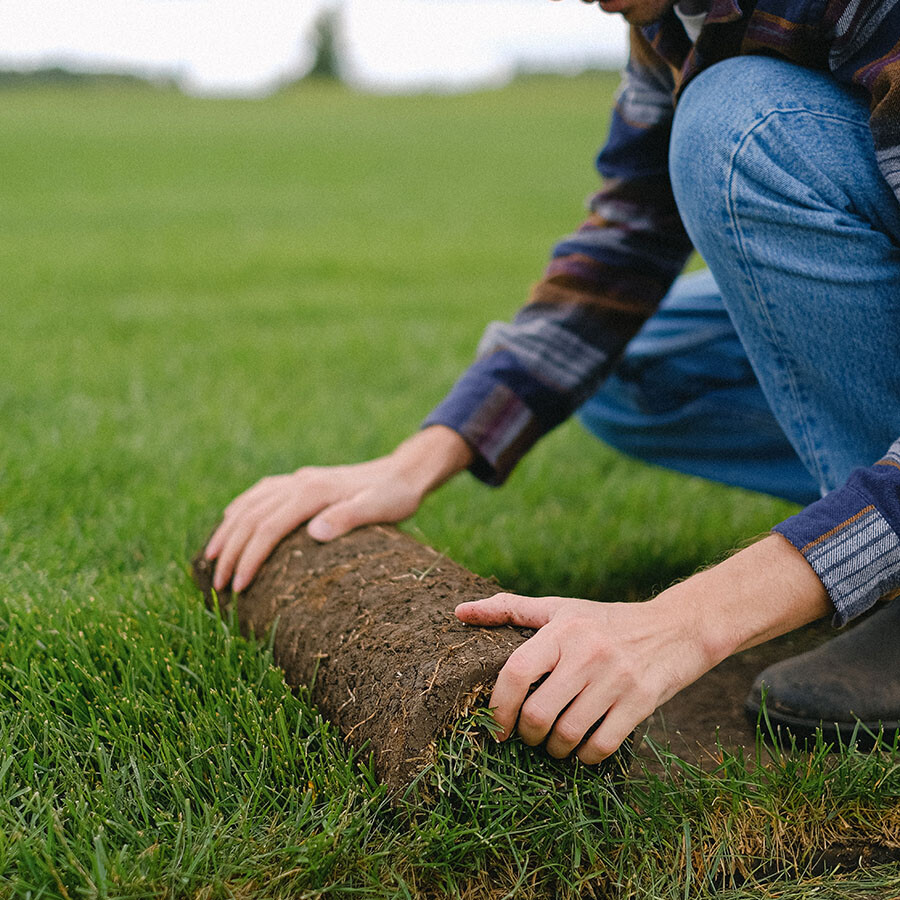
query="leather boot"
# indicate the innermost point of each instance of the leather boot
(854, 678)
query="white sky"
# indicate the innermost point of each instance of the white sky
(250, 46)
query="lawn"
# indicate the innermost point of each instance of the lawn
(197, 293)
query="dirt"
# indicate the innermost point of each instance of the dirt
(710, 711)
(367, 621)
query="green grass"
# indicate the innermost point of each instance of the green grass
(198, 293)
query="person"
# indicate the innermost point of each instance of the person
(767, 136)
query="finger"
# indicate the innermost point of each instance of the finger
(215, 543)
(619, 722)
(571, 727)
(238, 535)
(265, 486)
(280, 520)
(527, 663)
(223, 534)
(375, 503)
(240, 530)
(261, 494)
(509, 609)
(545, 705)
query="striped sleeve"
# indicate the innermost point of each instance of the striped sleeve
(851, 537)
(866, 54)
(602, 283)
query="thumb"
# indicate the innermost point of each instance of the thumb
(366, 507)
(509, 609)
(336, 520)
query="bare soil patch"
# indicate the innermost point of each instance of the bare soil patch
(710, 711)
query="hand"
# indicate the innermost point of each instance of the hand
(335, 498)
(620, 661)
(615, 661)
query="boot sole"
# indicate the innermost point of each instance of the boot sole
(863, 735)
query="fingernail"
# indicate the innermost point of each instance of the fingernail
(238, 584)
(321, 531)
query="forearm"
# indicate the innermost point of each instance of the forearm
(761, 592)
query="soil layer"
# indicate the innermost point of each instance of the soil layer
(367, 620)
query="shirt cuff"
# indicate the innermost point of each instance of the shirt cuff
(850, 538)
(500, 411)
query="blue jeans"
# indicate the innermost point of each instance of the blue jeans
(779, 369)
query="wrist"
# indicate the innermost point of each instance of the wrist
(430, 457)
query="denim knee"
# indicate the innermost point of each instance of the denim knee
(751, 138)
(775, 174)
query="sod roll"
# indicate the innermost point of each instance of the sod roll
(367, 620)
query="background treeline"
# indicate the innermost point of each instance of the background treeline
(326, 64)
(58, 75)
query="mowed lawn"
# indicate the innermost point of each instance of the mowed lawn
(198, 293)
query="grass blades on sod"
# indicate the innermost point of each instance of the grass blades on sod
(199, 293)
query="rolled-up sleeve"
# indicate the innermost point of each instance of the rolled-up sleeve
(851, 537)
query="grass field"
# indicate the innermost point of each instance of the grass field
(198, 293)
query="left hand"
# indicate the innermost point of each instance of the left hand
(612, 661)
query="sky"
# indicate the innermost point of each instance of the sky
(250, 47)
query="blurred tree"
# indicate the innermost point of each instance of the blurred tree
(326, 41)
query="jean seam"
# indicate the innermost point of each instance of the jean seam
(800, 417)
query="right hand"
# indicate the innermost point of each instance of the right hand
(334, 499)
